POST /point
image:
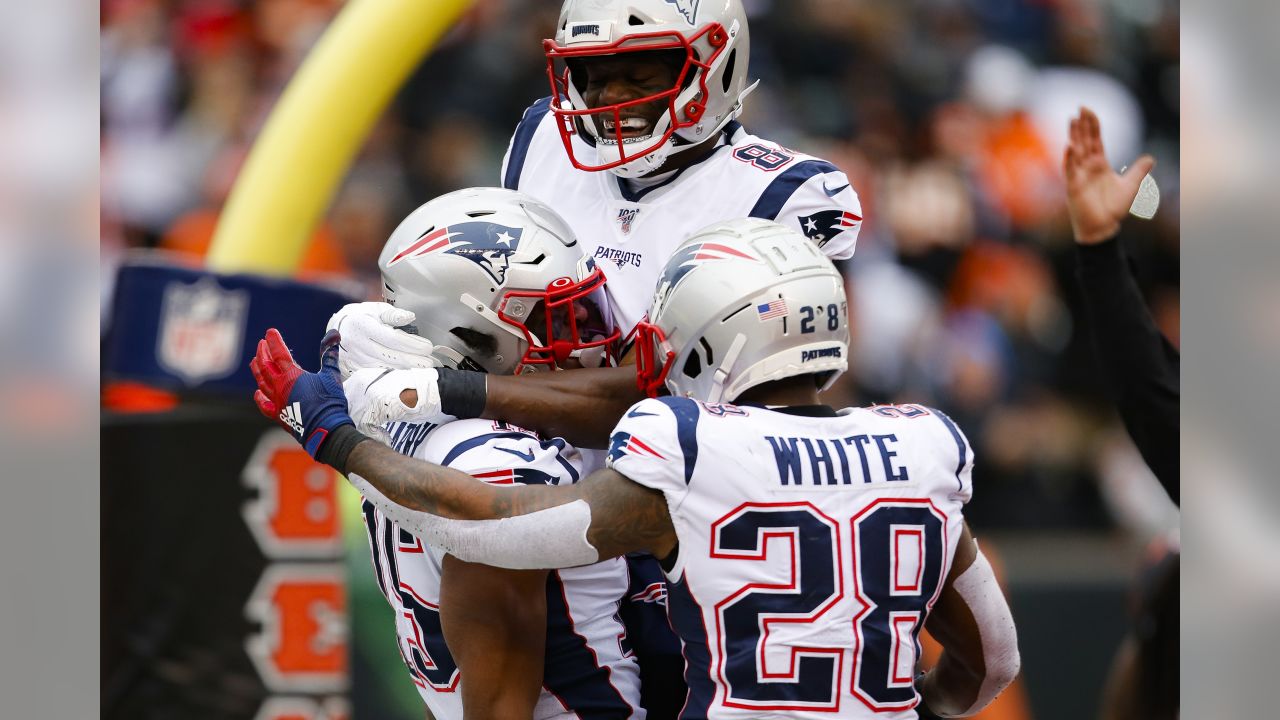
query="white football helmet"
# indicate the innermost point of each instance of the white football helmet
(708, 93)
(498, 283)
(741, 303)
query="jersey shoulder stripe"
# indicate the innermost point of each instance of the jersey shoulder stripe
(961, 445)
(686, 412)
(522, 139)
(776, 195)
(504, 453)
(645, 441)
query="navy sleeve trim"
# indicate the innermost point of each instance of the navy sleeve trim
(686, 412)
(480, 440)
(960, 443)
(785, 185)
(523, 137)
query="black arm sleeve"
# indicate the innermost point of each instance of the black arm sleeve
(1141, 367)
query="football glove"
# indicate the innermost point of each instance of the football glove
(370, 339)
(311, 406)
(373, 395)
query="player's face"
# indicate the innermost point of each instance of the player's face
(616, 79)
(572, 321)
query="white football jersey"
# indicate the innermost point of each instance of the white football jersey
(589, 671)
(812, 546)
(631, 235)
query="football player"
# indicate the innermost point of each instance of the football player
(805, 547)
(637, 147)
(492, 279)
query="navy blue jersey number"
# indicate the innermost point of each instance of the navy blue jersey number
(425, 653)
(898, 554)
(809, 679)
(763, 156)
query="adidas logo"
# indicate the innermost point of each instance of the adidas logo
(292, 416)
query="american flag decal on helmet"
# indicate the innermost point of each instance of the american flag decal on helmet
(772, 309)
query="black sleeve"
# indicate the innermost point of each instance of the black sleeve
(1141, 367)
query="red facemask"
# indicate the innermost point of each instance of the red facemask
(651, 370)
(565, 319)
(567, 120)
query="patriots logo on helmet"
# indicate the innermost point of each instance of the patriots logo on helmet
(820, 227)
(488, 245)
(686, 259)
(687, 8)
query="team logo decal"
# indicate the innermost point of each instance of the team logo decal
(694, 255)
(201, 328)
(624, 443)
(626, 217)
(820, 227)
(655, 593)
(488, 245)
(687, 8)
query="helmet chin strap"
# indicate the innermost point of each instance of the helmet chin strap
(592, 357)
(722, 373)
(648, 163)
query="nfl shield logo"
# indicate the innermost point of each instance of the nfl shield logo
(201, 328)
(625, 218)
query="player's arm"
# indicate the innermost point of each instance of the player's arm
(580, 406)
(494, 621)
(524, 527)
(605, 515)
(980, 643)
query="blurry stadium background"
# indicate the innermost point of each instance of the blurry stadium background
(949, 117)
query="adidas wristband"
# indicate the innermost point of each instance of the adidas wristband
(338, 446)
(463, 393)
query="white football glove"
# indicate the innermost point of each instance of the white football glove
(370, 339)
(373, 399)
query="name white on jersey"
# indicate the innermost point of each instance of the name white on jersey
(633, 234)
(811, 549)
(589, 671)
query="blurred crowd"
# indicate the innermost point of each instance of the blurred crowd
(948, 115)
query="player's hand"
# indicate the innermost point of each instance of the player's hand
(378, 397)
(370, 339)
(309, 405)
(1098, 197)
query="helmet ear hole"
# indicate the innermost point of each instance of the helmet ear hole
(693, 366)
(483, 344)
(633, 21)
(727, 80)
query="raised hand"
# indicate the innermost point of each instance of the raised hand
(309, 405)
(1098, 198)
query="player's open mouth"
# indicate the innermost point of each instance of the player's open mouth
(633, 128)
